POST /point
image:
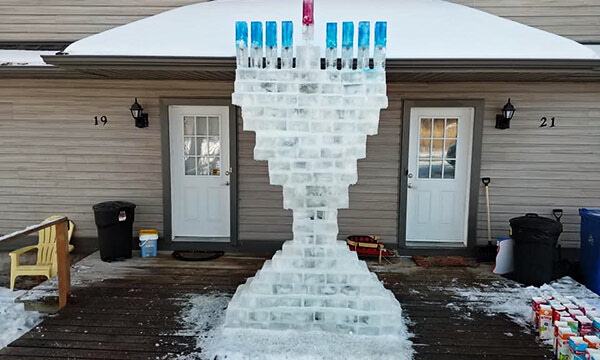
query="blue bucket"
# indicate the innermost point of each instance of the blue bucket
(148, 248)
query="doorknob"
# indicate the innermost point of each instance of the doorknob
(229, 172)
(410, 175)
(410, 186)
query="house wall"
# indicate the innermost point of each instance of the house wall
(69, 20)
(575, 19)
(54, 160)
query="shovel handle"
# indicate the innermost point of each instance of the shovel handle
(558, 213)
(486, 183)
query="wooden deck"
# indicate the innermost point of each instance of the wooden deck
(446, 333)
(134, 315)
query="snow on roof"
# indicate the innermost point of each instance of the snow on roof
(417, 29)
(23, 57)
(595, 48)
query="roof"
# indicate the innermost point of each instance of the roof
(417, 29)
(23, 57)
(595, 48)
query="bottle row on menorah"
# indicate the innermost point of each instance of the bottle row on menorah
(262, 49)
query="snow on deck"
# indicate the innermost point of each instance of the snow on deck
(161, 308)
(514, 300)
(88, 271)
(13, 317)
(417, 29)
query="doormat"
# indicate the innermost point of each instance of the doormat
(440, 261)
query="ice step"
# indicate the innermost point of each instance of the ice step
(380, 302)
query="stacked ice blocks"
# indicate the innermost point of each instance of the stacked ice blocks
(311, 126)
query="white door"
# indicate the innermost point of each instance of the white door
(199, 138)
(439, 169)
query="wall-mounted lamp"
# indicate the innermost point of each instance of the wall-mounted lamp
(503, 120)
(141, 119)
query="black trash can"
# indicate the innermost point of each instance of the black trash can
(535, 252)
(114, 220)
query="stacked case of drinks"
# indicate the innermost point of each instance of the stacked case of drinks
(570, 324)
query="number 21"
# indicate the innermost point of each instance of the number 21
(544, 121)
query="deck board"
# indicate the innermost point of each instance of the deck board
(135, 314)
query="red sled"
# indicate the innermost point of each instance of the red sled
(367, 245)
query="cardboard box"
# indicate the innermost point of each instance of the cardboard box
(545, 325)
(563, 351)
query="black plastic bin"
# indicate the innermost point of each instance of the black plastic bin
(114, 220)
(535, 251)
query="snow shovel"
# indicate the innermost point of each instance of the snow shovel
(486, 182)
(562, 267)
(488, 252)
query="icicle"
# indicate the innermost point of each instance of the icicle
(257, 45)
(241, 43)
(380, 45)
(363, 45)
(331, 46)
(271, 44)
(287, 44)
(347, 44)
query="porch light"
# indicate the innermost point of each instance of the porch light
(503, 120)
(137, 112)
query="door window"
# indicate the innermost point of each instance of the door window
(202, 145)
(437, 148)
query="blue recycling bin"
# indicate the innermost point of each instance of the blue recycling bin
(590, 248)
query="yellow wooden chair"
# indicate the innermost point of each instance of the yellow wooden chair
(46, 264)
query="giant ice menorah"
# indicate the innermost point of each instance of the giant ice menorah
(311, 123)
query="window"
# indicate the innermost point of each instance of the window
(437, 148)
(202, 145)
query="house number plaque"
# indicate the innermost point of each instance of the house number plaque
(103, 119)
(544, 122)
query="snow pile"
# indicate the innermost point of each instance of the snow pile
(244, 344)
(14, 320)
(514, 300)
(421, 29)
(205, 316)
(23, 57)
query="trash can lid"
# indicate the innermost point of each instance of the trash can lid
(112, 206)
(534, 222)
(148, 232)
(592, 213)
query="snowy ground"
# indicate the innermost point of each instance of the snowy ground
(205, 316)
(14, 320)
(514, 300)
